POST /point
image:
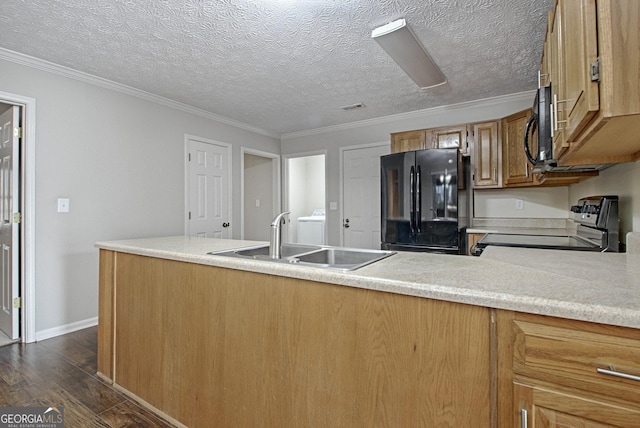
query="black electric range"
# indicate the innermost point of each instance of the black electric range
(598, 230)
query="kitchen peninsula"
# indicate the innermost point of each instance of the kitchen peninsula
(413, 340)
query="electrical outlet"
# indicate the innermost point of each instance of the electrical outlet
(257, 202)
(519, 204)
(63, 205)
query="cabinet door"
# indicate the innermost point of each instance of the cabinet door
(516, 168)
(450, 137)
(556, 73)
(486, 156)
(408, 141)
(545, 67)
(542, 408)
(580, 50)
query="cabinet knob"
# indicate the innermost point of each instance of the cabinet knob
(226, 224)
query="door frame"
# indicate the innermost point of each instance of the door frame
(341, 166)
(275, 181)
(229, 147)
(27, 208)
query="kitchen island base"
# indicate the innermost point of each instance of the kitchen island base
(212, 346)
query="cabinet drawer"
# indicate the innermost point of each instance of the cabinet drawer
(576, 359)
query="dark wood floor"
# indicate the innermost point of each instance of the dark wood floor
(62, 372)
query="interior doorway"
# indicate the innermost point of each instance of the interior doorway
(22, 216)
(260, 191)
(305, 187)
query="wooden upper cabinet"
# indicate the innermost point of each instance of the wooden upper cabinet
(556, 80)
(594, 59)
(436, 138)
(449, 137)
(580, 49)
(516, 168)
(408, 141)
(487, 167)
(545, 62)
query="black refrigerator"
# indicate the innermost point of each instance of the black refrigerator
(421, 191)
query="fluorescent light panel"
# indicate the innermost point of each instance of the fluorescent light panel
(397, 39)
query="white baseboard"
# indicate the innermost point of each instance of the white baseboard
(64, 329)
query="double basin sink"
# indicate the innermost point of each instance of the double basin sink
(324, 257)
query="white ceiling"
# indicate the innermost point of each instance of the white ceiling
(285, 65)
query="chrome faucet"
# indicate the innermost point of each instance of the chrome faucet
(275, 244)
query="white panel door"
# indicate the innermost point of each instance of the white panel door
(9, 229)
(361, 193)
(209, 209)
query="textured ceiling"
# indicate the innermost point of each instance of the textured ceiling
(284, 65)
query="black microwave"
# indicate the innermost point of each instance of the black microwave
(542, 121)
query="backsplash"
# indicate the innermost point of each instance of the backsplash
(522, 203)
(528, 223)
(633, 242)
(621, 180)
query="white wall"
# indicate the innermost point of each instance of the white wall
(538, 202)
(258, 186)
(377, 131)
(120, 160)
(622, 180)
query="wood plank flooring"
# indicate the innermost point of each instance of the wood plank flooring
(61, 371)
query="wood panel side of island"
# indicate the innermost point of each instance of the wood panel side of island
(106, 313)
(212, 346)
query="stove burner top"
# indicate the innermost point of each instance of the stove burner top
(598, 230)
(539, 241)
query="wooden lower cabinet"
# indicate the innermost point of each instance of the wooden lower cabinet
(543, 408)
(547, 371)
(210, 346)
(472, 239)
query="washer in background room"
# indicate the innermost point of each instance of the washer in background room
(311, 228)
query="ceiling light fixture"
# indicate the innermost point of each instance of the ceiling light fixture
(397, 39)
(353, 106)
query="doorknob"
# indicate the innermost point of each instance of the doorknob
(346, 223)
(226, 224)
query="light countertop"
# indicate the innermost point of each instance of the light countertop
(588, 286)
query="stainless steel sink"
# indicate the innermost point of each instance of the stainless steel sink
(288, 250)
(342, 258)
(337, 258)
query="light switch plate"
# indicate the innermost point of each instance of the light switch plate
(63, 205)
(333, 205)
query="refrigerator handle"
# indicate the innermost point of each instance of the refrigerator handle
(418, 220)
(412, 198)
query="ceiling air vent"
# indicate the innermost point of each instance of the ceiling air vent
(353, 106)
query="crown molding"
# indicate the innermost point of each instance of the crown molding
(61, 70)
(476, 104)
